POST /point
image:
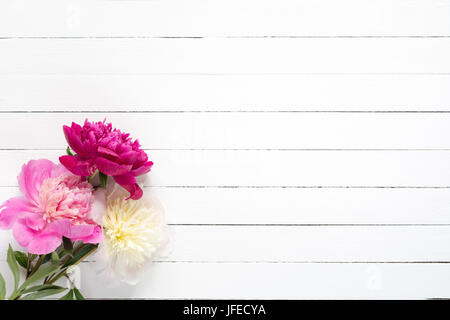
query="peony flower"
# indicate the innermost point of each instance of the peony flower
(99, 146)
(135, 234)
(55, 204)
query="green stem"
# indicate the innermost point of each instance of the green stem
(28, 265)
(68, 257)
(38, 264)
(64, 272)
(89, 179)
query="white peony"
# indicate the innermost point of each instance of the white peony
(135, 234)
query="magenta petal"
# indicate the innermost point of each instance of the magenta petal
(76, 127)
(125, 179)
(128, 182)
(134, 190)
(77, 166)
(44, 243)
(11, 209)
(107, 153)
(137, 193)
(111, 168)
(73, 139)
(130, 156)
(145, 168)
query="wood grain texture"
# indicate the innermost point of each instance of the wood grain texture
(295, 169)
(203, 18)
(301, 151)
(225, 56)
(242, 130)
(286, 280)
(219, 244)
(275, 168)
(303, 206)
(239, 93)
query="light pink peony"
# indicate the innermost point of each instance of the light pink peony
(55, 203)
(99, 146)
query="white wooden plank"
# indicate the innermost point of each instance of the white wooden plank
(288, 281)
(304, 243)
(297, 206)
(225, 56)
(269, 243)
(275, 168)
(224, 92)
(21, 18)
(274, 281)
(242, 130)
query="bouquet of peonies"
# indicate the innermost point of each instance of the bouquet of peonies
(89, 203)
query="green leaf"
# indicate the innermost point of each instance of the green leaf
(69, 152)
(13, 266)
(81, 253)
(42, 294)
(68, 296)
(21, 258)
(41, 273)
(68, 246)
(78, 294)
(2, 288)
(55, 256)
(103, 179)
(41, 287)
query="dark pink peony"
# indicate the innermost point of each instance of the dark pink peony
(99, 146)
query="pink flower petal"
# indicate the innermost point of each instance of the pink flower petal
(128, 182)
(78, 232)
(34, 220)
(60, 227)
(95, 237)
(143, 169)
(77, 165)
(23, 234)
(11, 210)
(59, 170)
(130, 156)
(44, 243)
(111, 168)
(125, 179)
(33, 175)
(137, 193)
(73, 139)
(108, 154)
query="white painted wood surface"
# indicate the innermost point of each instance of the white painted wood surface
(205, 18)
(300, 147)
(225, 56)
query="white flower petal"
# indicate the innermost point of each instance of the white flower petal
(135, 234)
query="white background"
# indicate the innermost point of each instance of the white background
(301, 147)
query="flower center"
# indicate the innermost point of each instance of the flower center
(65, 197)
(131, 230)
